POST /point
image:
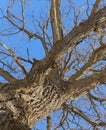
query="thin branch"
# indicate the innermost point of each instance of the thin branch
(22, 5)
(7, 34)
(9, 55)
(45, 35)
(62, 120)
(25, 60)
(9, 14)
(31, 35)
(87, 8)
(7, 76)
(8, 66)
(96, 98)
(94, 107)
(49, 123)
(97, 55)
(76, 16)
(80, 113)
(15, 57)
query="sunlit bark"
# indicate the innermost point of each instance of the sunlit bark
(42, 91)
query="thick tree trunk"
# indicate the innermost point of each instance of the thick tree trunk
(12, 107)
(24, 102)
(8, 123)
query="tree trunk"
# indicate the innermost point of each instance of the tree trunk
(8, 123)
(24, 102)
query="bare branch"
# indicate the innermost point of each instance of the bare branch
(82, 86)
(94, 107)
(15, 57)
(44, 89)
(25, 60)
(22, 5)
(97, 55)
(7, 76)
(96, 98)
(9, 15)
(95, 7)
(87, 8)
(56, 22)
(30, 35)
(76, 16)
(70, 108)
(77, 34)
(49, 123)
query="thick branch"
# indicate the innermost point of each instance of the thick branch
(96, 7)
(82, 86)
(56, 22)
(77, 34)
(12, 107)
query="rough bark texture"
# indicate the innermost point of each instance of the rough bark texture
(24, 102)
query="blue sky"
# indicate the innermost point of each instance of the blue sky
(35, 10)
(39, 9)
(20, 41)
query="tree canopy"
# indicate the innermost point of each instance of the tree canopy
(53, 64)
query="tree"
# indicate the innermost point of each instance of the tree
(73, 66)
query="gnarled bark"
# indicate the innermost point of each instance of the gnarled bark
(26, 102)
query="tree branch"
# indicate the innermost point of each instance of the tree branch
(30, 35)
(80, 113)
(15, 58)
(54, 93)
(49, 123)
(98, 54)
(95, 7)
(56, 22)
(82, 86)
(77, 34)
(42, 91)
(7, 76)
(96, 98)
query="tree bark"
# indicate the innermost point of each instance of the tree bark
(24, 102)
(12, 107)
